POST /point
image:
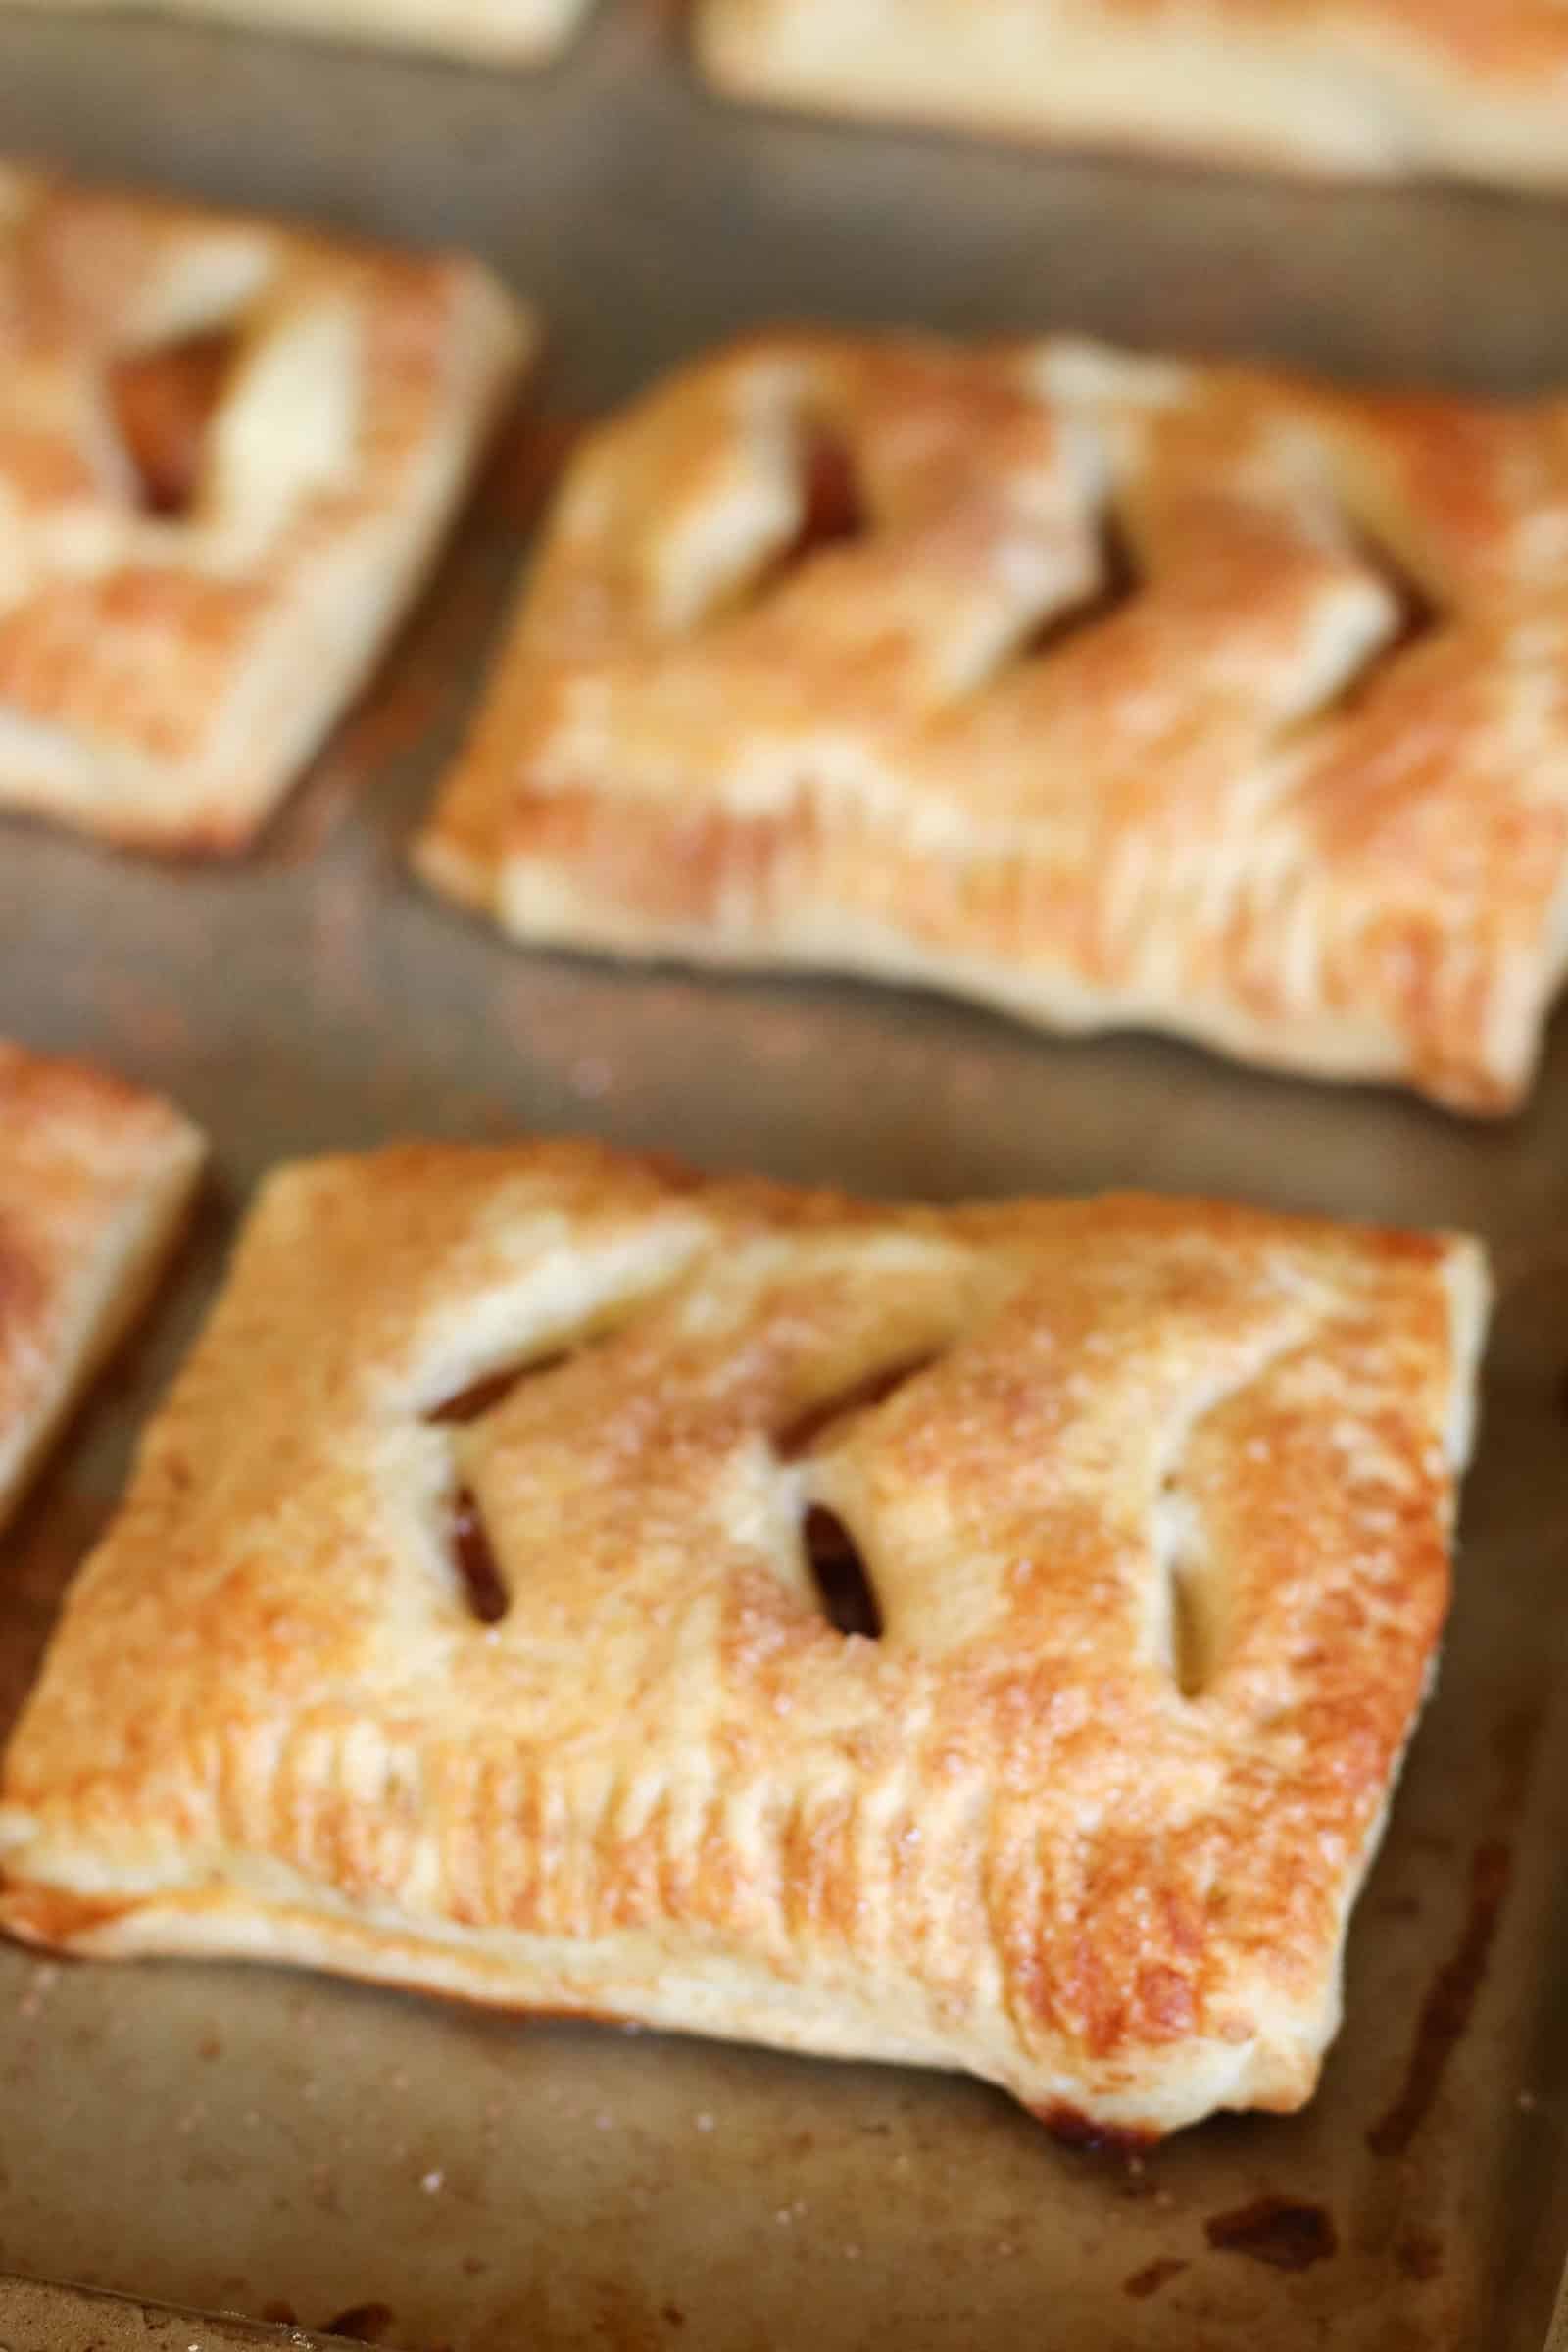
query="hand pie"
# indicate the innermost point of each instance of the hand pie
(1470, 89)
(228, 451)
(1113, 691)
(982, 1638)
(505, 32)
(95, 1179)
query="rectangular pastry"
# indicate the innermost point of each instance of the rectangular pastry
(982, 1637)
(1113, 691)
(228, 452)
(1470, 89)
(503, 31)
(95, 1179)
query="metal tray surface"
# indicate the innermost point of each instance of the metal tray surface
(307, 2151)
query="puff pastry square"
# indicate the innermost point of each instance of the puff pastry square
(461, 1627)
(1112, 690)
(95, 1179)
(1371, 89)
(228, 451)
(503, 31)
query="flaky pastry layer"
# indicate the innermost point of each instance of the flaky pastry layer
(173, 650)
(95, 1180)
(1371, 89)
(506, 31)
(461, 1626)
(1113, 691)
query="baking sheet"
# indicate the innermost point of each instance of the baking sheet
(302, 2150)
(52, 2319)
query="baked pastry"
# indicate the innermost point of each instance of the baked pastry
(95, 1179)
(1114, 691)
(228, 451)
(1372, 89)
(461, 1627)
(503, 32)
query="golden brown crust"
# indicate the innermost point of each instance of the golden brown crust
(164, 675)
(1143, 694)
(1157, 1511)
(508, 32)
(95, 1179)
(1472, 89)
